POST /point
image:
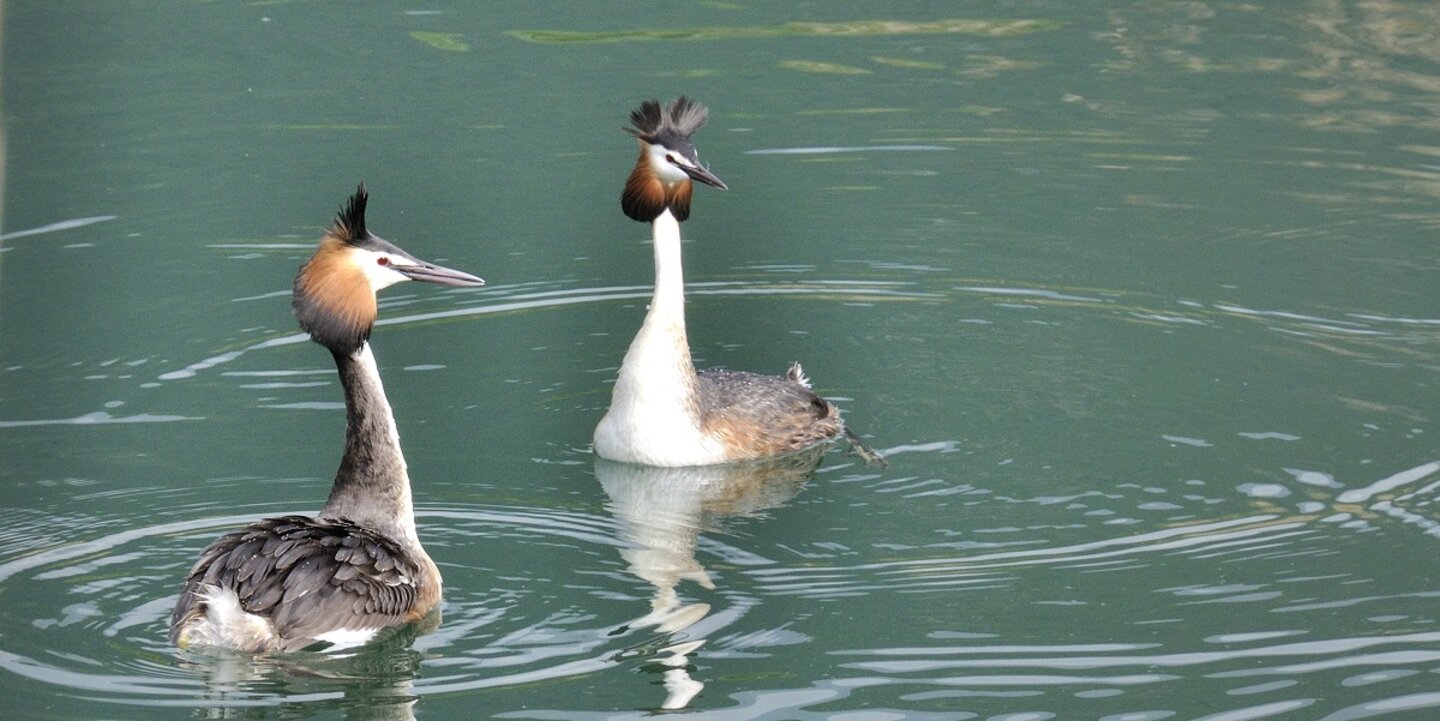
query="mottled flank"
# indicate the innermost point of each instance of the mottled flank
(759, 415)
(309, 577)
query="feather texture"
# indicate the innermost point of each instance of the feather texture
(309, 577)
(350, 222)
(644, 196)
(652, 122)
(763, 415)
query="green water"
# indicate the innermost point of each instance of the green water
(1140, 298)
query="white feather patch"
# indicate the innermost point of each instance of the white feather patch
(343, 638)
(797, 374)
(229, 625)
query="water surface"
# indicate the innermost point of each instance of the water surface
(1139, 299)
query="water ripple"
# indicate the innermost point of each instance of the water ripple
(987, 570)
(1085, 659)
(58, 226)
(508, 301)
(829, 150)
(506, 623)
(1390, 483)
(98, 418)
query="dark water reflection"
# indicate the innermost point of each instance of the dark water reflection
(1138, 298)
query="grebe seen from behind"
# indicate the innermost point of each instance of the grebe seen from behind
(283, 584)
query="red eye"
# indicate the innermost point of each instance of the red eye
(382, 260)
(674, 159)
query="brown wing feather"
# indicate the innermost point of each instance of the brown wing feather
(766, 415)
(310, 576)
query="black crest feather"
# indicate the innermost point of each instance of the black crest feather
(682, 117)
(350, 222)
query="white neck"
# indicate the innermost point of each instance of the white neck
(654, 416)
(667, 306)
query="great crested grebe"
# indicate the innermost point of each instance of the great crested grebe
(282, 584)
(662, 411)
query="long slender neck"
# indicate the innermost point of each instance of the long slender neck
(668, 304)
(372, 487)
(657, 371)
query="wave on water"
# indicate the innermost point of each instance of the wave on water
(506, 299)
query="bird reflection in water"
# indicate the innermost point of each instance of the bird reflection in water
(374, 682)
(662, 512)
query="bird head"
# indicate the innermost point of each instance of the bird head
(334, 297)
(668, 163)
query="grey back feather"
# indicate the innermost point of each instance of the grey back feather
(309, 576)
(769, 415)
